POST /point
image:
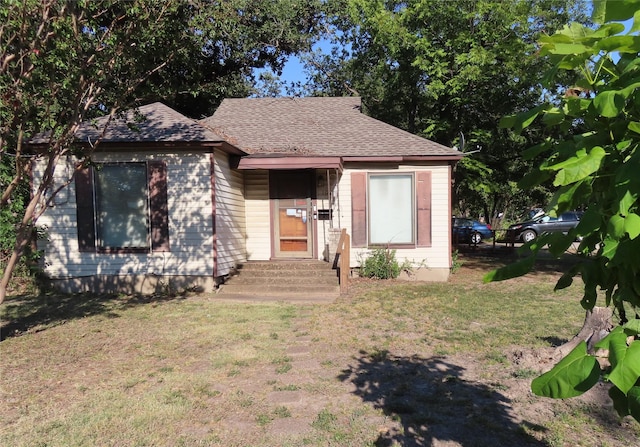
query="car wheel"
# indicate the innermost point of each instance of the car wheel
(528, 235)
(476, 238)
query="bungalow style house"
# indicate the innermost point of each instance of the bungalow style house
(170, 199)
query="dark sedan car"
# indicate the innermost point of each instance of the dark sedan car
(469, 230)
(528, 231)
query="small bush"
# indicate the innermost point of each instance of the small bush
(456, 263)
(381, 263)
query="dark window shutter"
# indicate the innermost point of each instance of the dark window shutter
(85, 216)
(423, 201)
(158, 206)
(359, 209)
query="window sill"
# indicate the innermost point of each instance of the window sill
(122, 250)
(393, 246)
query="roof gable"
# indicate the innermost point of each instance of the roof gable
(315, 126)
(155, 123)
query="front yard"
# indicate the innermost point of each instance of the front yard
(392, 363)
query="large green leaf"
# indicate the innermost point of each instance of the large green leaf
(567, 278)
(620, 44)
(578, 167)
(634, 126)
(589, 298)
(571, 377)
(628, 63)
(626, 404)
(534, 178)
(606, 30)
(536, 150)
(577, 106)
(609, 103)
(624, 359)
(522, 120)
(609, 247)
(626, 257)
(615, 228)
(570, 196)
(634, 402)
(632, 225)
(553, 116)
(567, 48)
(569, 33)
(565, 281)
(614, 10)
(636, 22)
(626, 199)
(620, 401)
(559, 243)
(630, 89)
(590, 221)
(507, 122)
(632, 327)
(510, 271)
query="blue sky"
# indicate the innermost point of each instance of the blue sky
(293, 70)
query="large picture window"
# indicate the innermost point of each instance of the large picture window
(122, 207)
(391, 209)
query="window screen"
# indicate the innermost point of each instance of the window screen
(122, 206)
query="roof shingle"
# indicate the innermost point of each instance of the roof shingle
(315, 126)
(160, 124)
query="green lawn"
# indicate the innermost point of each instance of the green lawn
(392, 363)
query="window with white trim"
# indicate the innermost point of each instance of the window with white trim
(391, 207)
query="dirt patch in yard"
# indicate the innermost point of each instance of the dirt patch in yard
(392, 363)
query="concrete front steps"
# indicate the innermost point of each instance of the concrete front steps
(294, 281)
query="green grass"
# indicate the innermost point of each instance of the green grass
(131, 379)
(325, 421)
(481, 318)
(392, 359)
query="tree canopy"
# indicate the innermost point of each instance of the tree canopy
(449, 71)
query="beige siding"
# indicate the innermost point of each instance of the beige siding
(258, 216)
(230, 216)
(190, 224)
(437, 256)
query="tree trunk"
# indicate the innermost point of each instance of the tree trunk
(597, 324)
(22, 241)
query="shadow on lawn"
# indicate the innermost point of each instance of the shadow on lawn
(24, 314)
(431, 401)
(484, 258)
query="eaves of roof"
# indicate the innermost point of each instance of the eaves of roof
(156, 126)
(289, 162)
(283, 161)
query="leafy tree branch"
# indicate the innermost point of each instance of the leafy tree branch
(593, 164)
(65, 62)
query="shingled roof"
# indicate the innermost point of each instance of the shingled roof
(157, 123)
(317, 127)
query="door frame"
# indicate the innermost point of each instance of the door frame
(279, 184)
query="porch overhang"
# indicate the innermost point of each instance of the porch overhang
(263, 161)
(402, 158)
